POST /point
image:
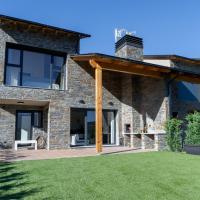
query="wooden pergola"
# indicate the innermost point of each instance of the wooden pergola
(101, 62)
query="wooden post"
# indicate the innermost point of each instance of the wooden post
(98, 105)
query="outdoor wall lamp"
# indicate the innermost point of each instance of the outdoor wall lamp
(81, 101)
(20, 102)
(111, 103)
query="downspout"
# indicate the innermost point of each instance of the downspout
(48, 128)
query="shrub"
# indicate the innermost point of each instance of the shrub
(173, 134)
(193, 128)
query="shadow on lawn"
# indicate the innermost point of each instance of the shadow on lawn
(13, 182)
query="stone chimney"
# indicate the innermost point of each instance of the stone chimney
(130, 47)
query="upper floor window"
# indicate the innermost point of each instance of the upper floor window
(34, 69)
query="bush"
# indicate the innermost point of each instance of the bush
(173, 134)
(193, 128)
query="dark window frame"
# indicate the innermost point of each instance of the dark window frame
(32, 120)
(84, 110)
(23, 48)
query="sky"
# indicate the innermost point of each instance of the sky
(166, 26)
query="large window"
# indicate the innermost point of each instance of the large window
(83, 127)
(34, 69)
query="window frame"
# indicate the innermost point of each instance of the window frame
(23, 48)
(32, 120)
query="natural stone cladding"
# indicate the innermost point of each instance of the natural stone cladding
(80, 86)
(131, 52)
(139, 101)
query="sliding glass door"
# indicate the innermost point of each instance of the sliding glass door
(108, 127)
(24, 126)
(90, 126)
(83, 127)
(25, 121)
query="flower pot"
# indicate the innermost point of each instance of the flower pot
(192, 149)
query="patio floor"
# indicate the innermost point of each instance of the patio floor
(11, 155)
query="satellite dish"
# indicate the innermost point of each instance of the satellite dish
(119, 33)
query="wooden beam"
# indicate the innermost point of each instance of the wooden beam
(132, 70)
(129, 63)
(98, 105)
(186, 78)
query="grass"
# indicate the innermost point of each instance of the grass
(145, 176)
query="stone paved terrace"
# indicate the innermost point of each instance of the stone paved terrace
(11, 155)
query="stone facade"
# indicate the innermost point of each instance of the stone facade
(80, 86)
(138, 101)
(58, 100)
(8, 124)
(131, 52)
(136, 140)
(145, 102)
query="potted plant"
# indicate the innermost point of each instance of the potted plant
(192, 140)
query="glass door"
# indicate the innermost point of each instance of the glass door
(90, 127)
(108, 127)
(83, 127)
(24, 126)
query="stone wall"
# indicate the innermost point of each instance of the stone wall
(59, 100)
(136, 141)
(127, 102)
(19, 34)
(153, 104)
(8, 124)
(160, 141)
(136, 100)
(131, 52)
(148, 141)
(80, 86)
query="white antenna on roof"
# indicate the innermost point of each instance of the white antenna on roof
(119, 33)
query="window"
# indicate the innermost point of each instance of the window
(37, 119)
(14, 56)
(13, 75)
(34, 69)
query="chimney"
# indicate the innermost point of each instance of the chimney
(130, 47)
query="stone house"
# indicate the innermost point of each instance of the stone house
(48, 90)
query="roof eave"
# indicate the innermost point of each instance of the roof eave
(79, 34)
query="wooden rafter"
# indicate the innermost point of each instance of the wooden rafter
(122, 65)
(132, 70)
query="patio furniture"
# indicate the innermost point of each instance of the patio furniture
(76, 140)
(25, 142)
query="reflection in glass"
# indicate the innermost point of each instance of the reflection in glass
(36, 69)
(14, 56)
(13, 76)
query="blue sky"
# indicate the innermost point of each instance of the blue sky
(167, 26)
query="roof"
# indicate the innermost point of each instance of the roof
(81, 35)
(173, 57)
(124, 65)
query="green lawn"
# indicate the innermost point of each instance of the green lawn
(157, 175)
